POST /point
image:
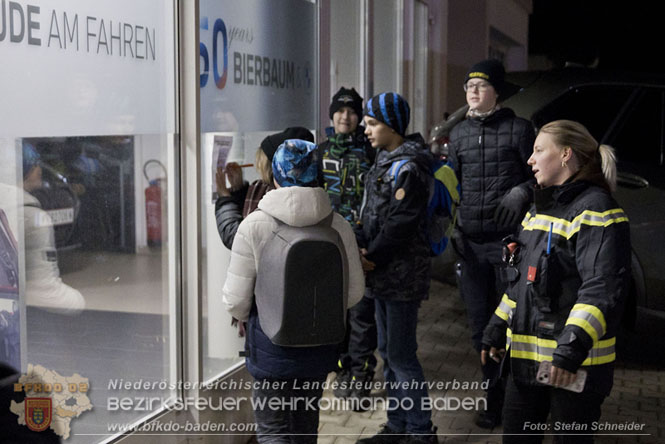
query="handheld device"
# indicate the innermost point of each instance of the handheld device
(543, 377)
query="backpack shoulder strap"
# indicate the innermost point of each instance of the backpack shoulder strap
(395, 167)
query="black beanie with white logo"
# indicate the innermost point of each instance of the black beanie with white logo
(347, 97)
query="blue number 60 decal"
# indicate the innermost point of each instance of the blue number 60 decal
(219, 27)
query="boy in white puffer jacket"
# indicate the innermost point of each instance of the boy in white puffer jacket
(297, 202)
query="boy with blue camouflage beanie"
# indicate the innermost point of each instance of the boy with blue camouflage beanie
(298, 202)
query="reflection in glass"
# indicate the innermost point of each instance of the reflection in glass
(44, 287)
(91, 225)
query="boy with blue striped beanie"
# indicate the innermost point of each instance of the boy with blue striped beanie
(396, 258)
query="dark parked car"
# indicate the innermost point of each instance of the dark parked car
(627, 111)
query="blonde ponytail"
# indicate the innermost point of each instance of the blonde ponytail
(608, 163)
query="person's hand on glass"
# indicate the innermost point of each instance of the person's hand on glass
(234, 174)
(220, 179)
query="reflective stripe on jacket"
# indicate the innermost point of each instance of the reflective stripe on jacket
(566, 303)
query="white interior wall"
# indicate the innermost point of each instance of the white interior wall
(345, 45)
(385, 60)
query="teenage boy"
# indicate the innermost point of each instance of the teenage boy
(395, 255)
(299, 202)
(346, 156)
(489, 151)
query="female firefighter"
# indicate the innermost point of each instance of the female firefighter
(570, 273)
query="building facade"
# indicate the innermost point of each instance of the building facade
(114, 116)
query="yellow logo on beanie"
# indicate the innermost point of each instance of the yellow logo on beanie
(478, 74)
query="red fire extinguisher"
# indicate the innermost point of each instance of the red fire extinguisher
(153, 205)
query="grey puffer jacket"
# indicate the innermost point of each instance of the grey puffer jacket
(392, 222)
(489, 156)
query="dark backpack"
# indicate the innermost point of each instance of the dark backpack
(441, 205)
(302, 285)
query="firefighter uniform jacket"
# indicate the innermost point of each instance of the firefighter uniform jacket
(570, 276)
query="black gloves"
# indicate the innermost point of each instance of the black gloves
(512, 208)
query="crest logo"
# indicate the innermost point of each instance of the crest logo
(38, 413)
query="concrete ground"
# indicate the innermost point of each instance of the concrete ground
(446, 354)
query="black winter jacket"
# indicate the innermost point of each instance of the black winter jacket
(566, 306)
(489, 157)
(228, 213)
(392, 223)
(229, 210)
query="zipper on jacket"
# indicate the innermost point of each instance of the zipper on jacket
(481, 138)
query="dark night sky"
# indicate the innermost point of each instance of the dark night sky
(623, 35)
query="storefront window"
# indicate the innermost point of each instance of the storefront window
(87, 221)
(258, 76)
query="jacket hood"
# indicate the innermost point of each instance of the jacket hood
(297, 206)
(414, 147)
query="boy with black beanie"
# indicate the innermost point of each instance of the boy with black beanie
(345, 158)
(489, 152)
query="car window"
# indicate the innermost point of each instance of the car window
(639, 141)
(640, 136)
(628, 118)
(594, 106)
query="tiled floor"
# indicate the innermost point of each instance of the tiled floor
(446, 355)
(117, 343)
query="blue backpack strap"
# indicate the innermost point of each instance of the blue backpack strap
(395, 167)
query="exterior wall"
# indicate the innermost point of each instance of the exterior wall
(473, 26)
(467, 43)
(176, 284)
(438, 57)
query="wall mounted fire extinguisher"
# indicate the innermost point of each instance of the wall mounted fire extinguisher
(154, 196)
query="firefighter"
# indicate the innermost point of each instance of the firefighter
(570, 274)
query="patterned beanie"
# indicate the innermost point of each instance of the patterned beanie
(296, 164)
(391, 109)
(347, 97)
